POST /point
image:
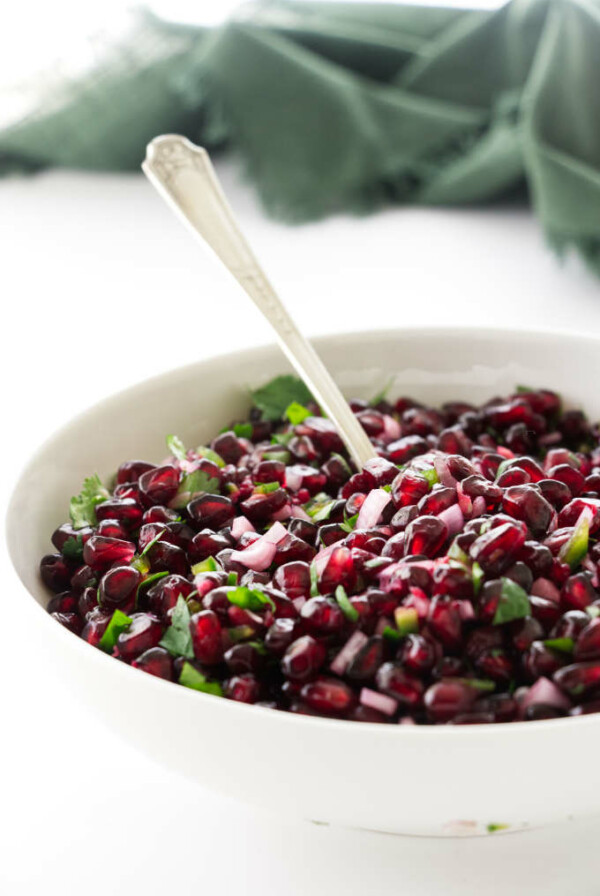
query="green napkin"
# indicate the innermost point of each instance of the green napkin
(347, 106)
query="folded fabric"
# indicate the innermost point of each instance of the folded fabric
(347, 106)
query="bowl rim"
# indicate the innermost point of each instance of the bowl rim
(479, 731)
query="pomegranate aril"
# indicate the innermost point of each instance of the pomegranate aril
(293, 579)
(338, 570)
(95, 626)
(587, 646)
(579, 680)
(205, 630)
(72, 621)
(303, 659)
(156, 661)
(496, 549)
(526, 503)
(159, 486)
(393, 680)
(211, 511)
(418, 654)
(244, 658)
(328, 695)
(118, 586)
(55, 572)
(577, 592)
(322, 616)
(447, 699)
(539, 660)
(243, 688)
(100, 552)
(144, 632)
(425, 535)
(405, 449)
(126, 510)
(365, 663)
(206, 544)
(445, 620)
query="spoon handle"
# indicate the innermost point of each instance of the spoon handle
(184, 176)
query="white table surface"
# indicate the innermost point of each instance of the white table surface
(101, 288)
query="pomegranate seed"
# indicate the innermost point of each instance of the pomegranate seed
(144, 632)
(447, 699)
(156, 661)
(243, 688)
(118, 586)
(303, 659)
(55, 572)
(211, 511)
(205, 629)
(425, 535)
(391, 679)
(329, 695)
(101, 552)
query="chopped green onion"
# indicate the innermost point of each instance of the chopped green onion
(346, 607)
(513, 603)
(249, 598)
(208, 565)
(296, 413)
(407, 620)
(191, 678)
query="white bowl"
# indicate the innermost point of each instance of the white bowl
(418, 780)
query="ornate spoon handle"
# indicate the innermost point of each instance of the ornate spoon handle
(185, 178)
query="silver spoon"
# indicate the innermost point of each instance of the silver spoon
(184, 176)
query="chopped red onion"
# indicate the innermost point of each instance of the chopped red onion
(283, 514)
(391, 429)
(372, 507)
(444, 475)
(544, 691)
(453, 518)
(260, 554)
(342, 659)
(386, 705)
(300, 513)
(505, 452)
(240, 525)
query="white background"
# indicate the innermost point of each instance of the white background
(101, 288)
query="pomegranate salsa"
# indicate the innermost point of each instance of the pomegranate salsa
(454, 579)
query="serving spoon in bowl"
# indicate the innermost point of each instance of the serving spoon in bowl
(184, 176)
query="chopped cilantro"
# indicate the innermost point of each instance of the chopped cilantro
(513, 603)
(208, 565)
(563, 645)
(431, 476)
(211, 455)
(176, 447)
(277, 395)
(319, 507)
(392, 634)
(178, 639)
(119, 622)
(477, 574)
(191, 678)
(250, 598)
(314, 581)
(82, 508)
(575, 549)
(349, 524)
(346, 607)
(296, 413)
(232, 578)
(72, 549)
(243, 430)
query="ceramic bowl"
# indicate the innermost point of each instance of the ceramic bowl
(403, 779)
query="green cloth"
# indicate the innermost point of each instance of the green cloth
(346, 106)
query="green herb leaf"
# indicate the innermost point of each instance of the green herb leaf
(209, 454)
(485, 685)
(314, 581)
(232, 578)
(513, 603)
(176, 447)
(407, 620)
(575, 549)
(564, 645)
(477, 574)
(392, 634)
(492, 827)
(72, 549)
(191, 678)
(243, 430)
(240, 633)
(457, 553)
(346, 607)
(82, 508)
(349, 524)
(119, 622)
(149, 580)
(178, 639)
(265, 488)
(273, 399)
(296, 413)
(383, 393)
(431, 476)
(208, 565)
(249, 598)
(281, 438)
(192, 484)
(319, 507)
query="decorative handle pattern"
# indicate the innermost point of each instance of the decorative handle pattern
(184, 176)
